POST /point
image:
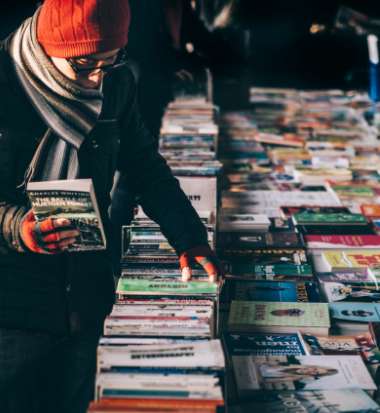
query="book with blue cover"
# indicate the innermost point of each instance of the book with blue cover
(357, 312)
(288, 291)
(261, 344)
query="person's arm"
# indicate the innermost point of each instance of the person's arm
(158, 191)
(19, 230)
(150, 178)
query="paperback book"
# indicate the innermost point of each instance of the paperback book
(255, 373)
(289, 291)
(280, 317)
(265, 344)
(74, 200)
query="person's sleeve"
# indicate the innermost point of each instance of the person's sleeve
(150, 178)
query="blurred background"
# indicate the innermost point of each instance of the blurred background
(290, 43)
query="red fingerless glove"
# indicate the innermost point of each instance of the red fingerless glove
(40, 237)
(204, 256)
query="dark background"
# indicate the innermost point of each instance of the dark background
(271, 43)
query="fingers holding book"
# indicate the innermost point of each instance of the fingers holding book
(204, 256)
(49, 236)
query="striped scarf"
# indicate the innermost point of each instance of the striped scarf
(69, 110)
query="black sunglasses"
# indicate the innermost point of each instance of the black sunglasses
(121, 60)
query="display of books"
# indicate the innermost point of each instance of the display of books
(289, 191)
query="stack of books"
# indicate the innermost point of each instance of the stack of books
(188, 141)
(189, 137)
(165, 376)
(159, 351)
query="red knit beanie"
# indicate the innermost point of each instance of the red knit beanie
(72, 28)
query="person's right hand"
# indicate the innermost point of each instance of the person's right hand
(49, 236)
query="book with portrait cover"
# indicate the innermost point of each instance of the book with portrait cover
(75, 200)
(254, 373)
(346, 291)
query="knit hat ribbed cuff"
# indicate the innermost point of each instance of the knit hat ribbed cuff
(76, 49)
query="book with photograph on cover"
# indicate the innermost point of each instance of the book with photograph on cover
(75, 200)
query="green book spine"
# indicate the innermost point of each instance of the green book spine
(304, 218)
(291, 270)
(126, 286)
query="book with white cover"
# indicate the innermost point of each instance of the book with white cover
(300, 373)
(243, 222)
(161, 310)
(202, 193)
(167, 327)
(204, 355)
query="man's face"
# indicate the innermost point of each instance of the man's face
(86, 70)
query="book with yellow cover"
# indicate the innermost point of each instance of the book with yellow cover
(344, 260)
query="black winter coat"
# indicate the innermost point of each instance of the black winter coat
(75, 291)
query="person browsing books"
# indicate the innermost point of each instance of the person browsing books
(68, 111)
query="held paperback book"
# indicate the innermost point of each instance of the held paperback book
(75, 200)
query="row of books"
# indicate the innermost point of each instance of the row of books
(299, 238)
(159, 351)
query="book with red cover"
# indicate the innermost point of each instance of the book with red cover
(159, 405)
(342, 241)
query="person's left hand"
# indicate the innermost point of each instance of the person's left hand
(204, 256)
